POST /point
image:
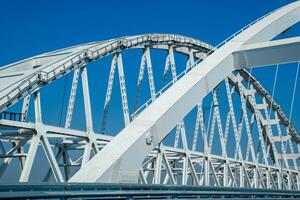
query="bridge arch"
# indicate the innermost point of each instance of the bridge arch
(118, 165)
(119, 161)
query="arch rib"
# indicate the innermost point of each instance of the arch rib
(119, 161)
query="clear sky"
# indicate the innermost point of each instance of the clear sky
(33, 27)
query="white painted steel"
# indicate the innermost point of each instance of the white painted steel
(267, 166)
(120, 162)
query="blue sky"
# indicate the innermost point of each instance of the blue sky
(32, 27)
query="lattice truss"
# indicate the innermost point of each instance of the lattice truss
(237, 136)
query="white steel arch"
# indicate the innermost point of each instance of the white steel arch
(23, 77)
(32, 78)
(119, 161)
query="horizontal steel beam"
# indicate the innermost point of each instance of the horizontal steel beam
(268, 53)
(51, 129)
(136, 191)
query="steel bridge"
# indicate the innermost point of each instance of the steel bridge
(209, 125)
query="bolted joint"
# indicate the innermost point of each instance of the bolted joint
(42, 77)
(149, 138)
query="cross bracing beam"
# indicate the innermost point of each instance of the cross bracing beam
(268, 53)
(119, 160)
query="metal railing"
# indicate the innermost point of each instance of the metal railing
(164, 89)
(77, 57)
(134, 115)
(12, 116)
